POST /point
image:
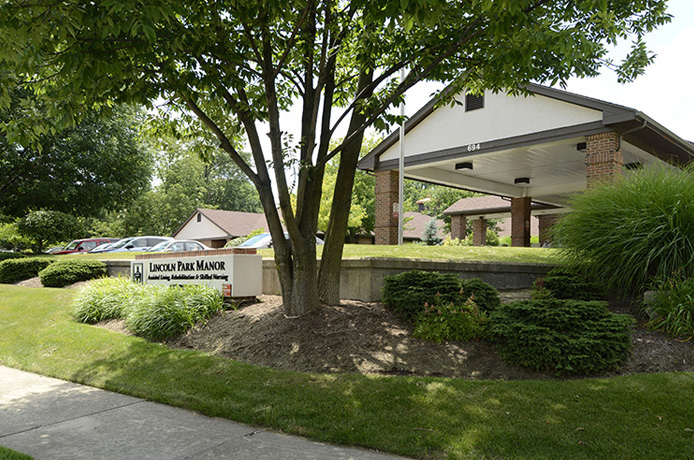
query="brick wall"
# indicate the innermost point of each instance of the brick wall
(458, 227)
(544, 226)
(520, 221)
(386, 223)
(603, 160)
(479, 232)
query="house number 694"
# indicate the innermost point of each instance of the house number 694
(473, 147)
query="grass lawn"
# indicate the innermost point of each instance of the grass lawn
(9, 454)
(634, 417)
(487, 253)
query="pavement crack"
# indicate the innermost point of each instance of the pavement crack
(36, 427)
(226, 441)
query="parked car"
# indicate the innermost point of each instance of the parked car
(264, 240)
(178, 246)
(84, 245)
(107, 246)
(137, 244)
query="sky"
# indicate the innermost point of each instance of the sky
(665, 92)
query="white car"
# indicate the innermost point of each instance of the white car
(178, 246)
(264, 240)
(137, 244)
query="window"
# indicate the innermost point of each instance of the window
(474, 102)
(199, 217)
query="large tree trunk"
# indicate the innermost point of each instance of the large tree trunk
(331, 260)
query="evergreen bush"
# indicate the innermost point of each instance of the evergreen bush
(567, 283)
(66, 272)
(485, 296)
(446, 321)
(406, 293)
(20, 269)
(10, 255)
(568, 337)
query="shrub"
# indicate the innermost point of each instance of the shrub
(10, 255)
(15, 270)
(567, 283)
(634, 231)
(672, 308)
(106, 298)
(561, 336)
(406, 293)
(65, 272)
(165, 312)
(444, 321)
(485, 296)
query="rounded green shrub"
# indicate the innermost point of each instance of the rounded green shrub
(570, 337)
(20, 269)
(567, 283)
(447, 321)
(406, 293)
(10, 255)
(106, 298)
(166, 312)
(66, 272)
(485, 296)
(635, 231)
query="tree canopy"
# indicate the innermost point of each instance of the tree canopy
(97, 164)
(238, 64)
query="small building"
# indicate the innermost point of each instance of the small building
(479, 210)
(533, 150)
(215, 227)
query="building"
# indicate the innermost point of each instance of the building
(533, 150)
(215, 227)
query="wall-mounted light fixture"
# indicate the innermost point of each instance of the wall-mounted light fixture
(521, 180)
(467, 165)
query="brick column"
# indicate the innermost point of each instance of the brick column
(386, 223)
(545, 224)
(520, 221)
(458, 227)
(603, 161)
(479, 232)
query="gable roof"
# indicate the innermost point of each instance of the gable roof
(414, 229)
(233, 223)
(642, 130)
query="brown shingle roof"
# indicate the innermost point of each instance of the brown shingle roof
(489, 204)
(235, 223)
(415, 227)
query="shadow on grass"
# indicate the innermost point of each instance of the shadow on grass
(419, 417)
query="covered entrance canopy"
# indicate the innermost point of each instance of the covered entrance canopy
(534, 149)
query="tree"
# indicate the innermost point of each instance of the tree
(95, 165)
(47, 227)
(429, 236)
(336, 61)
(185, 181)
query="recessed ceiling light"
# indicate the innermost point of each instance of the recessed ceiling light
(521, 180)
(467, 165)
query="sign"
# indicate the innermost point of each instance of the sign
(234, 275)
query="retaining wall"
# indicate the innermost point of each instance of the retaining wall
(363, 278)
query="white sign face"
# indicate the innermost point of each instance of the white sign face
(234, 275)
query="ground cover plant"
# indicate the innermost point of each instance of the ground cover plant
(568, 283)
(635, 416)
(15, 270)
(671, 308)
(65, 272)
(568, 337)
(635, 231)
(153, 312)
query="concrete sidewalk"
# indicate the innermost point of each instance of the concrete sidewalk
(52, 419)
